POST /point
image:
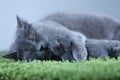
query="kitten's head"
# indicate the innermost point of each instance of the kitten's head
(115, 52)
(60, 47)
(23, 50)
(24, 30)
(24, 47)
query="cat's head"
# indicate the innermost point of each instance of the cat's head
(63, 48)
(24, 30)
(24, 46)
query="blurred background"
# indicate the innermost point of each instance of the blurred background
(33, 10)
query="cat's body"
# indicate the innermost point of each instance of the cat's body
(93, 26)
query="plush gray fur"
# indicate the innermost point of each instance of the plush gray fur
(23, 50)
(45, 30)
(25, 46)
(95, 26)
(102, 48)
(40, 33)
(95, 48)
(61, 47)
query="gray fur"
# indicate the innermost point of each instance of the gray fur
(65, 48)
(40, 33)
(25, 46)
(23, 49)
(95, 48)
(103, 48)
(50, 29)
(91, 25)
(94, 26)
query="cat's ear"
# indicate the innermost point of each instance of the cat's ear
(12, 55)
(21, 23)
(57, 40)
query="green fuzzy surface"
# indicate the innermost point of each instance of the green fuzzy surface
(93, 69)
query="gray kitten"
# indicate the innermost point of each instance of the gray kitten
(24, 46)
(40, 33)
(102, 48)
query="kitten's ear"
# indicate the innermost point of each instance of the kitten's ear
(57, 40)
(12, 55)
(21, 23)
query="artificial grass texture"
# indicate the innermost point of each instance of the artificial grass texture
(94, 69)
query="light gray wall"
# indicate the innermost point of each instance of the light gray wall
(33, 10)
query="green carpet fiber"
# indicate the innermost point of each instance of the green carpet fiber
(93, 69)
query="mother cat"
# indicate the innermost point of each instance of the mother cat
(91, 25)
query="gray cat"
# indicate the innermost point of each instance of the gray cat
(40, 33)
(93, 26)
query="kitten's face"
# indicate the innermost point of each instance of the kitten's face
(24, 47)
(115, 52)
(24, 50)
(24, 30)
(61, 48)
